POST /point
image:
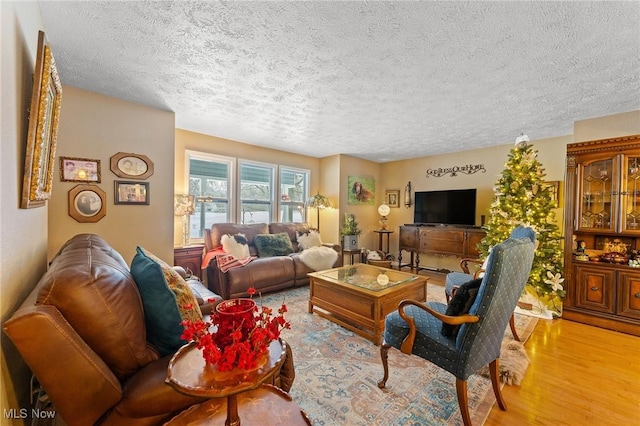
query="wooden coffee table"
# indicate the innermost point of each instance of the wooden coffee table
(359, 297)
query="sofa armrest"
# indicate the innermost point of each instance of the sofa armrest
(207, 300)
(207, 240)
(60, 359)
(338, 248)
(217, 280)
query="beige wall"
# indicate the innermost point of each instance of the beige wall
(610, 126)
(186, 140)
(97, 127)
(395, 175)
(330, 186)
(23, 233)
(366, 215)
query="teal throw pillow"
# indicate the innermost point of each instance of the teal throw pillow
(268, 245)
(161, 314)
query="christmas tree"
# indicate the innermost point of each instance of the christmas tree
(521, 197)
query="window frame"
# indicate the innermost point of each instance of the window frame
(305, 196)
(234, 185)
(231, 178)
(272, 190)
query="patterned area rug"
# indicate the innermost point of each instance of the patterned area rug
(337, 373)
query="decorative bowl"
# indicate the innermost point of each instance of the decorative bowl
(613, 257)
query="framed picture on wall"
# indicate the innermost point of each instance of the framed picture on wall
(87, 203)
(131, 193)
(554, 190)
(131, 166)
(44, 116)
(79, 170)
(361, 190)
(392, 198)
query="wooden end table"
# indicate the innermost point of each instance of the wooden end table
(188, 373)
(266, 405)
(352, 253)
(359, 297)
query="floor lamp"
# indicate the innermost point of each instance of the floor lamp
(318, 202)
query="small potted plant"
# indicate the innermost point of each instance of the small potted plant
(350, 232)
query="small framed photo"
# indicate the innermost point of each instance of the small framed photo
(392, 198)
(554, 189)
(131, 193)
(131, 166)
(87, 203)
(79, 170)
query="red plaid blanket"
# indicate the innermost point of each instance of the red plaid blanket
(225, 261)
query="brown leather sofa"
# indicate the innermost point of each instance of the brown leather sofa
(265, 274)
(82, 333)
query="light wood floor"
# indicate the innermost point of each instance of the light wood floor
(579, 375)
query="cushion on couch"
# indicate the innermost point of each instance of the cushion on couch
(308, 239)
(460, 303)
(269, 245)
(236, 245)
(166, 298)
(319, 258)
(291, 228)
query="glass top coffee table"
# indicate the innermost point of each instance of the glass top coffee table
(359, 297)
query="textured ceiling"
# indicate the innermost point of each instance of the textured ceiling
(377, 80)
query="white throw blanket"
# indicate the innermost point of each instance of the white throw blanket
(319, 258)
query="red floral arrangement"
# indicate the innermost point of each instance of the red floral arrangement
(242, 333)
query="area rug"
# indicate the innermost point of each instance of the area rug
(337, 372)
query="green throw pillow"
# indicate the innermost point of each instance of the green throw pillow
(268, 245)
(162, 313)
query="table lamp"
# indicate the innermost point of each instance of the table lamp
(383, 211)
(184, 206)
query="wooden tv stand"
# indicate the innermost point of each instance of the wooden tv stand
(438, 240)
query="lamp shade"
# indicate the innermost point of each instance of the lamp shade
(318, 202)
(183, 204)
(383, 210)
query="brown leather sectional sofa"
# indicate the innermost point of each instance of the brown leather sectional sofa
(82, 333)
(265, 274)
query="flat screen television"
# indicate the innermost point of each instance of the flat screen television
(450, 207)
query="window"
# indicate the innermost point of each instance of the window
(210, 181)
(294, 189)
(256, 193)
(259, 193)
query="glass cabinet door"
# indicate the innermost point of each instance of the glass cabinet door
(630, 194)
(598, 195)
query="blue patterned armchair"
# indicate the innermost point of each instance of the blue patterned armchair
(415, 328)
(454, 280)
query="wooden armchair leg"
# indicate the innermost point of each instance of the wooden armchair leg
(463, 401)
(494, 371)
(512, 325)
(384, 354)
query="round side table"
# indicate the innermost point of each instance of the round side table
(188, 373)
(266, 405)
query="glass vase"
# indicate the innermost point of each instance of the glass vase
(232, 315)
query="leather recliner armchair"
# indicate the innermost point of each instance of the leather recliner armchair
(82, 332)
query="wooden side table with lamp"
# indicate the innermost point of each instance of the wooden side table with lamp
(383, 211)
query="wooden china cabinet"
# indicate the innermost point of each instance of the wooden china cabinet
(602, 207)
